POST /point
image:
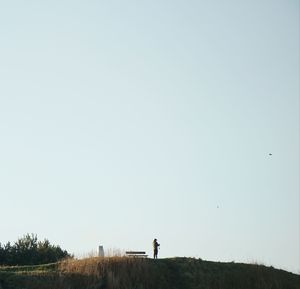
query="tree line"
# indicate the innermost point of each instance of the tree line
(28, 250)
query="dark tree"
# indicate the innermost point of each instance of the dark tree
(29, 251)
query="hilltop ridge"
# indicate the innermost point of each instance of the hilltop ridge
(136, 273)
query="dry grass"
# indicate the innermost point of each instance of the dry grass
(111, 272)
(110, 252)
(134, 273)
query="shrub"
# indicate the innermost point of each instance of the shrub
(29, 251)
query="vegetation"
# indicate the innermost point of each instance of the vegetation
(33, 264)
(139, 273)
(29, 251)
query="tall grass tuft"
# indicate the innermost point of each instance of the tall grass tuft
(111, 272)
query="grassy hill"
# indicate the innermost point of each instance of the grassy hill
(134, 273)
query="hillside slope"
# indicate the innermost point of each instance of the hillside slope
(133, 273)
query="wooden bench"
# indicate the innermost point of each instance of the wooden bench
(136, 254)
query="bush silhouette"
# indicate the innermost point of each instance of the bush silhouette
(28, 250)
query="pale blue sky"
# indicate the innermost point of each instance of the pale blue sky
(121, 121)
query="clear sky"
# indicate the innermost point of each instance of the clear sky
(122, 121)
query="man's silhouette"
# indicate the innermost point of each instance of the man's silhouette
(155, 248)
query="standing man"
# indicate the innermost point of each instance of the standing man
(155, 248)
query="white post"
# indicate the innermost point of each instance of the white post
(100, 251)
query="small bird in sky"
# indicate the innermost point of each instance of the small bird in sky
(270, 154)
